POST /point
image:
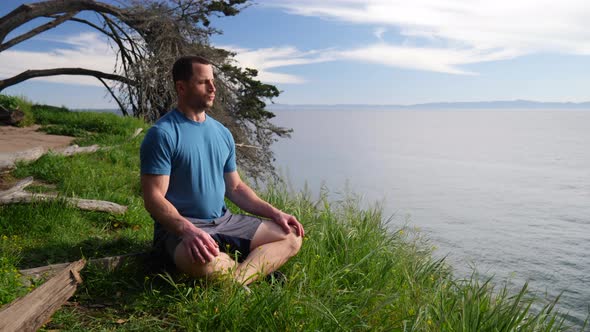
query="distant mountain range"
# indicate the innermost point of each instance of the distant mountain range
(507, 104)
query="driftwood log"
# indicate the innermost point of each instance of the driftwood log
(11, 117)
(17, 194)
(74, 149)
(9, 160)
(107, 263)
(136, 133)
(19, 186)
(33, 310)
(240, 145)
(30, 312)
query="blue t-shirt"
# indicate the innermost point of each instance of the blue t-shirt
(195, 155)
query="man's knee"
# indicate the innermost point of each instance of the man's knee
(270, 232)
(221, 264)
(294, 241)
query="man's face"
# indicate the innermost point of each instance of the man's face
(199, 91)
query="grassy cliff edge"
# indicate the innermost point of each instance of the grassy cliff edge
(353, 272)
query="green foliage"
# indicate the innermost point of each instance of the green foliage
(89, 128)
(103, 123)
(9, 102)
(10, 284)
(228, 8)
(251, 93)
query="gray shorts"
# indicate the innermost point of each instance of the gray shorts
(232, 232)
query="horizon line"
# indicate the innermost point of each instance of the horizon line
(441, 103)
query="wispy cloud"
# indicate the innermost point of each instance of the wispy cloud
(379, 33)
(523, 26)
(443, 35)
(435, 60)
(441, 60)
(265, 59)
(86, 50)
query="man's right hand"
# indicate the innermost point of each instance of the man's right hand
(199, 245)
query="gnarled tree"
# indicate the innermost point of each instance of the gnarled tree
(148, 37)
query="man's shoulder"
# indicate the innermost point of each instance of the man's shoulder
(164, 129)
(218, 125)
(166, 121)
(167, 125)
(214, 122)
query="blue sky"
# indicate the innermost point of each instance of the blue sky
(361, 52)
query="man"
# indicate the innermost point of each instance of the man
(187, 167)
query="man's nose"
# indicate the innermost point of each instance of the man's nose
(211, 86)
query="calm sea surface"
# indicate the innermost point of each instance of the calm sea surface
(506, 192)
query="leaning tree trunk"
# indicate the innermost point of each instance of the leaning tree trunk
(61, 71)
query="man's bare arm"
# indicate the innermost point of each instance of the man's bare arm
(245, 198)
(154, 188)
(200, 246)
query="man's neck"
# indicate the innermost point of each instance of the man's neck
(193, 114)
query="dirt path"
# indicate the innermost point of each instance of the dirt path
(13, 139)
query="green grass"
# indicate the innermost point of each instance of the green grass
(89, 128)
(354, 271)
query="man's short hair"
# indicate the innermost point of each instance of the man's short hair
(182, 70)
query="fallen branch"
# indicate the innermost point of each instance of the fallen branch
(9, 160)
(30, 312)
(74, 149)
(16, 194)
(136, 133)
(82, 204)
(19, 186)
(107, 263)
(240, 145)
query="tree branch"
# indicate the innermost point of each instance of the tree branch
(61, 71)
(27, 12)
(117, 39)
(103, 31)
(50, 25)
(123, 110)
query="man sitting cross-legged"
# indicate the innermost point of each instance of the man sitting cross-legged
(188, 165)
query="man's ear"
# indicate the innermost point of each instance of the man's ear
(179, 87)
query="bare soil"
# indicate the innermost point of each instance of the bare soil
(14, 139)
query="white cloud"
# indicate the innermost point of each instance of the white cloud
(379, 33)
(268, 58)
(442, 60)
(436, 60)
(87, 50)
(506, 26)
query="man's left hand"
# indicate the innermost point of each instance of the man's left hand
(285, 220)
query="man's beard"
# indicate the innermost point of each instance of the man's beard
(202, 104)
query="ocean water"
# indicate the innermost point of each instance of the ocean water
(506, 192)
